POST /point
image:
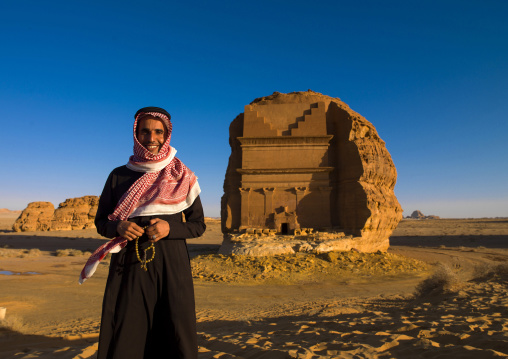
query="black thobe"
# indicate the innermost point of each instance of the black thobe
(148, 314)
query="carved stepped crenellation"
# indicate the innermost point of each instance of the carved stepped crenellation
(257, 126)
(313, 124)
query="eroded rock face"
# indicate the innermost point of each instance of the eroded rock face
(36, 216)
(74, 213)
(310, 155)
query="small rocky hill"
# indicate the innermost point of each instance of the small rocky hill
(8, 211)
(419, 215)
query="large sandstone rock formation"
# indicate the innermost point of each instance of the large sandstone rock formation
(74, 213)
(306, 160)
(35, 217)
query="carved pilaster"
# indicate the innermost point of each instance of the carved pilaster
(325, 192)
(325, 189)
(300, 193)
(244, 207)
(268, 191)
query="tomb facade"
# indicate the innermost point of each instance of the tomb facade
(304, 160)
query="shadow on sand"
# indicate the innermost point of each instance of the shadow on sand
(473, 241)
(44, 243)
(33, 346)
(51, 244)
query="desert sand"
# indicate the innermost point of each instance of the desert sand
(349, 305)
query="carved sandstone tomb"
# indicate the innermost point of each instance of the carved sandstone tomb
(304, 161)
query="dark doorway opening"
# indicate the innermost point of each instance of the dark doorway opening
(284, 228)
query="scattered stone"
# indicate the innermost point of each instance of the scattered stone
(252, 243)
(297, 267)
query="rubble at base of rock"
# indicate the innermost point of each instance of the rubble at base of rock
(268, 244)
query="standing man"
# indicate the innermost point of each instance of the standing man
(148, 309)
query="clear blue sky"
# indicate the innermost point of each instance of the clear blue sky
(432, 76)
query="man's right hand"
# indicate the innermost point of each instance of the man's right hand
(129, 230)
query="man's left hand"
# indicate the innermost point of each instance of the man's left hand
(157, 229)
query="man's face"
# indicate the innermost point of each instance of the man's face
(151, 133)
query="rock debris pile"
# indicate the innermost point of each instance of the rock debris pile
(302, 267)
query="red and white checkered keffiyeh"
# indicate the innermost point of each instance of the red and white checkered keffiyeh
(167, 187)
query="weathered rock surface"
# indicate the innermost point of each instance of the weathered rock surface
(272, 244)
(304, 159)
(74, 213)
(36, 216)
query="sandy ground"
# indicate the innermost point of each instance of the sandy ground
(354, 306)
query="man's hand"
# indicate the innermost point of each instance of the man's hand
(157, 229)
(129, 230)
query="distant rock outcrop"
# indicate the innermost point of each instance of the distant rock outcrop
(419, 215)
(36, 216)
(74, 213)
(432, 217)
(8, 211)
